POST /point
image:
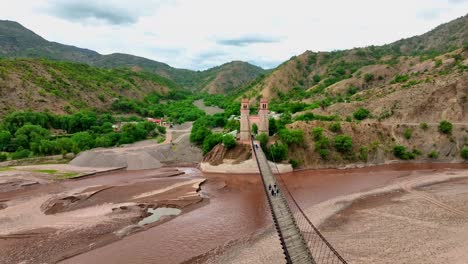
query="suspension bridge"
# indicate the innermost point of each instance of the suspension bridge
(301, 241)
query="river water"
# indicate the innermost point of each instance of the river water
(236, 208)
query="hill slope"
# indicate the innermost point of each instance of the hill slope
(322, 69)
(17, 41)
(61, 87)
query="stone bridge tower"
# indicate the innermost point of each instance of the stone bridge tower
(247, 120)
(244, 120)
(263, 117)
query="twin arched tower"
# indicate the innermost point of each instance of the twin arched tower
(247, 120)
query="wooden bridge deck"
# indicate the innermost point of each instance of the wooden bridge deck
(293, 242)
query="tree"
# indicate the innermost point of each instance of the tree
(278, 152)
(343, 143)
(361, 114)
(445, 127)
(291, 136)
(104, 141)
(3, 157)
(285, 119)
(210, 141)
(272, 127)
(263, 138)
(5, 139)
(66, 145)
(83, 140)
(33, 133)
(232, 125)
(229, 141)
(255, 129)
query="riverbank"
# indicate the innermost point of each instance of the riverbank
(245, 167)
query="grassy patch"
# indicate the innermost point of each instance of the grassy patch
(6, 168)
(67, 175)
(47, 171)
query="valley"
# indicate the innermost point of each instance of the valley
(122, 159)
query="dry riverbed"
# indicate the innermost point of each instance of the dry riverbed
(44, 220)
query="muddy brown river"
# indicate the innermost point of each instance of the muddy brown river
(236, 209)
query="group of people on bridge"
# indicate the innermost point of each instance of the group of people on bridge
(274, 190)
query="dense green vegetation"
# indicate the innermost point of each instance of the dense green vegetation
(23, 134)
(464, 153)
(445, 127)
(401, 153)
(361, 114)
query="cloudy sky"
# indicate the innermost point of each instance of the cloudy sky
(198, 34)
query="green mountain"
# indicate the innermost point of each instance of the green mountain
(17, 41)
(66, 87)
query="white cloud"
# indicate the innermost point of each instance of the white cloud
(204, 33)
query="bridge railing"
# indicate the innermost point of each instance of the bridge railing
(321, 249)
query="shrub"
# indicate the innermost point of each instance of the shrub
(294, 163)
(229, 141)
(278, 152)
(335, 127)
(433, 154)
(3, 156)
(417, 152)
(408, 133)
(343, 143)
(324, 153)
(368, 77)
(316, 78)
(317, 133)
(21, 154)
(161, 129)
(291, 136)
(272, 127)
(363, 153)
(423, 126)
(399, 79)
(464, 153)
(401, 153)
(263, 138)
(352, 90)
(445, 127)
(255, 129)
(361, 114)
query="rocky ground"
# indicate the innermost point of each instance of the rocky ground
(148, 154)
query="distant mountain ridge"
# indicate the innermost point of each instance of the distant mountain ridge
(312, 70)
(16, 41)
